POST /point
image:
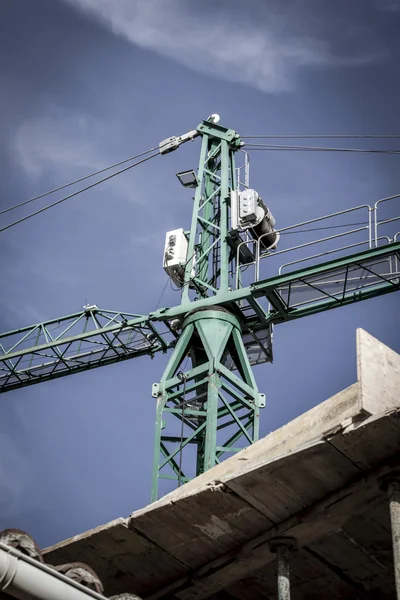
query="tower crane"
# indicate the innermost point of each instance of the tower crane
(207, 400)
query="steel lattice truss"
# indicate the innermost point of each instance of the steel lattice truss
(94, 337)
(333, 284)
(74, 343)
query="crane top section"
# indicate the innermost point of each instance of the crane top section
(202, 261)
(172, 143)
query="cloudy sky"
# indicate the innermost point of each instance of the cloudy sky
(85, 83)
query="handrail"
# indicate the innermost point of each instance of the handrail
(372, 226)
(295, 262)
(316, 220)
(375, 208)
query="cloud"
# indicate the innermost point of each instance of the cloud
(64, 145)
(264, 53)
(49, 150)
(61, 141)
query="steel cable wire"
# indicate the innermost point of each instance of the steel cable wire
(62, 187)
(92, 185)
(277, 147)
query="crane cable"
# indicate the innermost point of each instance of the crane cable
(62, 187)
(322, 137)
(270, 147)
(92, 185)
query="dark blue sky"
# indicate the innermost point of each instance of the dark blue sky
(88, 82)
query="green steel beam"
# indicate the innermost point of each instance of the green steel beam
(258, 289)
(211, 414)
(350, 260)
(348, 290)
(75, 343)
(208, 266)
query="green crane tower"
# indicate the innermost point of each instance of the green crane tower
(208, 403)
(215, 406)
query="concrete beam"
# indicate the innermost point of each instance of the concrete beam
(376, 390)
(308, 525)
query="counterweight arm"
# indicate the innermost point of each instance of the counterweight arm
(75, 343)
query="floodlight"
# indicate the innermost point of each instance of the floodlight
(188, 179)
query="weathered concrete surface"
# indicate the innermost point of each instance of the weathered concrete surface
(315, 479)
(378, 374)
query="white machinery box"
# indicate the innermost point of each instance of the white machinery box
(175, 255)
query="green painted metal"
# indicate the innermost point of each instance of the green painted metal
(76, 343)
(335, 283)
(207, 270)
(203, 409)
(208, 336)
(208, 402)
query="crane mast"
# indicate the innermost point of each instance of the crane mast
(207, 400)
(217, 409)
(208, 249)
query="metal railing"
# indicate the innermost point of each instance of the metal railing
(378, 223)
(369, 235)
(246, 169)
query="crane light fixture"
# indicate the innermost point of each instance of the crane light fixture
(188, 179)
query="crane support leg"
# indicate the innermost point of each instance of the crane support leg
(207, 401)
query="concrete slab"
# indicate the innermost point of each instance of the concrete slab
(313, 479)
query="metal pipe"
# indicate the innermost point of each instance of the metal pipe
(394, 502)
(23, 577)
(295, 262)
(375, 209)
(370, 211)
(312, 243)
(335, 214)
